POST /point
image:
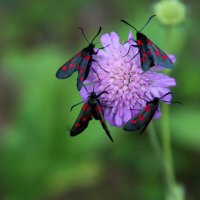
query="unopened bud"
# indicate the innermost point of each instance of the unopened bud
(170, 12)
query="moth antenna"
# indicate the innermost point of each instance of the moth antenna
(147, 22)
(84, 34)
(129, 24)
(143, 98)
(177, 102)
(76, 105)
(96, 34)
(86, 89)
(93, 87)
(166, 94)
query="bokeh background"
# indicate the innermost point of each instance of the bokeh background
(38, 158)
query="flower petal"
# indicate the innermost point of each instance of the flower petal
(172, 58)
(105, 41)
(115, 40)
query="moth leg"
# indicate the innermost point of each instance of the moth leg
(145, 94)
(135, 55)
(106, 106)
(129, 49)
(136, 109)
(126, 42)
(100, 66)
(95, 53)
(146, 100)
(130, 39)
(109, 101)
(96, 73)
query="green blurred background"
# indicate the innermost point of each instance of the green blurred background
(38, 159)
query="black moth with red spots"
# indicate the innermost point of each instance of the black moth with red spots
(81, 62)
(150, 54)
(91, 109)
(142, 119)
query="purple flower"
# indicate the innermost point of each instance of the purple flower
(127, 85)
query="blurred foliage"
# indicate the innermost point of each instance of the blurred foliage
(38, 158)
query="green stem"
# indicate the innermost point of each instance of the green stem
(173, 190)
(167, 149)
(166, 136)
(155, 144)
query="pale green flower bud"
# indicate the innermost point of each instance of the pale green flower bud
(170, 12)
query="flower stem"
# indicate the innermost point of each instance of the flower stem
(166, 137)
(155, 144)
(173, 190)
(167, 149)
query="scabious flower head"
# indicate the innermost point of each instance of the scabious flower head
(170, 12)
(126, 84)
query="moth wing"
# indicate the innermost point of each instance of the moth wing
(67, 69)
(82, 120)
(159, 57)
(142, 119)
(148, 120)
(98, 114)
(83, 69)
(145, 59)
(135, 123)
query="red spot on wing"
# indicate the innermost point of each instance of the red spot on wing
(79, 54)
(157, 53)
(149, 52)
(80, 71)
(99, 108)
(140, 117)
(77, 125)
(81, 78)
(87, 57)
(149, 42)
(64, 68)
(84, 119)
(71, 65)
(133, 121)
(140, 43)
(145, 55)
(77, 67)
(143, 59)
(85, 107)
(147, 108)
(164, 57)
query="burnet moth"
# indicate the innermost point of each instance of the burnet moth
(92, 108)
(81, 62)
(150, 54)
(142, 119)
